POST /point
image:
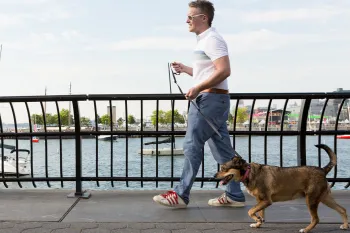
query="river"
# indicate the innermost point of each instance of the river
(149, 166)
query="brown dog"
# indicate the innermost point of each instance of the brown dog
(270, 184)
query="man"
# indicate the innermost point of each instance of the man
(211, 69)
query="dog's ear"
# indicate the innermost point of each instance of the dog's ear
(238, 162)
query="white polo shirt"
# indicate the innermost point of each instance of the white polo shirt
(210, 46)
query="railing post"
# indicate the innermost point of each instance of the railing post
(78, 156)
(302, 126)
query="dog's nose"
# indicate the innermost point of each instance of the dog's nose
(215, 175)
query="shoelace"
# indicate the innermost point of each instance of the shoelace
(171, 197)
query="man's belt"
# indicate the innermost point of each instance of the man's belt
(216, 90)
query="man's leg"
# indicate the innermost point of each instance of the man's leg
(197, 133)
(223, 152)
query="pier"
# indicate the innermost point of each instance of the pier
(52, 197)
(134, 211)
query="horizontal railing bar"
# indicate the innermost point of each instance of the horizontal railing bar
(301, 95)
(38, 179)
(296, 95)
(4, 99)
(135, 179)
(169, 133)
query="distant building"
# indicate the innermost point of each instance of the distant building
(114, 114)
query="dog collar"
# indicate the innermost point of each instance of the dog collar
(246, 174)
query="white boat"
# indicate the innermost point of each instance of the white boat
(161, 151)
(107, 137)
(9, 162)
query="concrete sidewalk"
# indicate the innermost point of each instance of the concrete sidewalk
(134, 211)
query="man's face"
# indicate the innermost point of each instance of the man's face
(195, 20)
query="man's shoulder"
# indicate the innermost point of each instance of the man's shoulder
(216, 36)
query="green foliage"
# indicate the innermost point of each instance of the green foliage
(105, 119)
(230, 118)
(166, 117)
(242, 115)
(120, 121)
(84, 121)
(52, 119)
(37, 119)
(131, 119)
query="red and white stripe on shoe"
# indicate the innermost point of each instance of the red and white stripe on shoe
(170, 199)
(224, 200)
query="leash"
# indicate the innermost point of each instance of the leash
(194, 104)
(205, 118)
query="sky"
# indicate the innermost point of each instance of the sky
(118, 46)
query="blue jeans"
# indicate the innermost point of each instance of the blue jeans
(216, 108)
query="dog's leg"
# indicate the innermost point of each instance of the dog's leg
(258, 207)
(262, 214)
(330, 202)
(312, 204)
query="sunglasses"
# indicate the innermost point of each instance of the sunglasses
(191, 17)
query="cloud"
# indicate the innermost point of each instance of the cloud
(176, 28)
(265, 40)
(23, 2)
(20, 12)
(292, 14)
(7, 20)
(242, 42)
(47, 42)
(154, 43)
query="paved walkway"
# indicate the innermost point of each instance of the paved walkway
(134, 211)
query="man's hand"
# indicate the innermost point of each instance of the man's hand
(192, 93)
(181, 68)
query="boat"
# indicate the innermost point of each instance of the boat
(161, 151)
(347, 136)
(107, 137)
(9, 162)
(35, 139)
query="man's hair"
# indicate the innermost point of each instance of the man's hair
(206, 8)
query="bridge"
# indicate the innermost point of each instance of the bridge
(52, 198)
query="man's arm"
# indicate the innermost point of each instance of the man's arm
(222, 71)
(188, 70)
(181, 68)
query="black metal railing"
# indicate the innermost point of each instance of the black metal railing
(250, 129)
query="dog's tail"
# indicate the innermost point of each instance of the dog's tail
(332, 157)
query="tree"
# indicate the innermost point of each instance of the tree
(242, 115)
(64, 114)
(131, 119)
(105, 119)
(98, 119)
(37, 119)
(84, 121)
(165, 117)
(230, 118)
(161, 117)
(51, 119)
(178, 118)
(120, 121)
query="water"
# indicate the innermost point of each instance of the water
(149, 162)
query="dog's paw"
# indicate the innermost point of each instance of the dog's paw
(302, 230)
(255, 225)
(344, 227)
